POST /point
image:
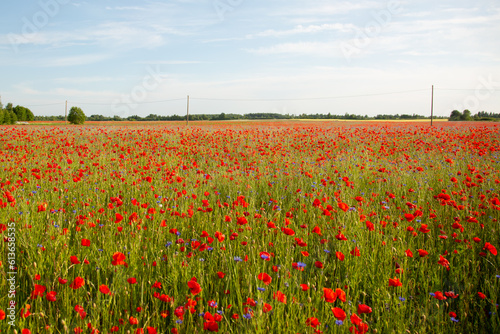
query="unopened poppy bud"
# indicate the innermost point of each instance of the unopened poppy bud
(34, 264)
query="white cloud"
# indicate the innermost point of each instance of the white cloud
(318, 49)
(76, 60)
(171, 62)
(300, 29)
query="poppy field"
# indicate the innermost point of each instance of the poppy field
(250, 227)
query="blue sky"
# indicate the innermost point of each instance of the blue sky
(370, 57)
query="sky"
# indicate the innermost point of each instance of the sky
(371, 57)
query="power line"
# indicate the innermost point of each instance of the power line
(470, 89)
(309, 98)
(264, 100)
(109, 104)
(43, 105)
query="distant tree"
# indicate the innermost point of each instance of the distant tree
(2, 115)
(20, 113)
(76, 116)
(7, 117)
(13, 117)
(455, 115)
(466, 115)
(29, 115)
(8, 106)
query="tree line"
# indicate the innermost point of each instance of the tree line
(11, 115)
(230, 116)
(466, 115)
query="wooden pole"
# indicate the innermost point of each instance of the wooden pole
(187, 114)
(432, 103)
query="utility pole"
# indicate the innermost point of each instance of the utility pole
(187, 114)
(432, 103)
(66, 113)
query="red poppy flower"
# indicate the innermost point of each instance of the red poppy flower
(395, 282)
(339, 313)
(439, 295)
(51, 296)
(279, 296)
(131, 280)
(266, 308)
(423, 253)
(409, 217)
(104, 289)
(451, 294)
(38, 292)
(355, 319)
(329, 295)
(313, 322)
(220, 274)
(118, 259)
(340, 256)
(265, 278)
(362, 308)
(491, 248)
(355, 251)
(194, 286)
(250, 302)
(340, 295)
(242, 221)
(77, 283)
(118, 218)
(86, 242)
(74, 259)
(344, 207)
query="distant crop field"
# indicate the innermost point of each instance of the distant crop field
(250, 227)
